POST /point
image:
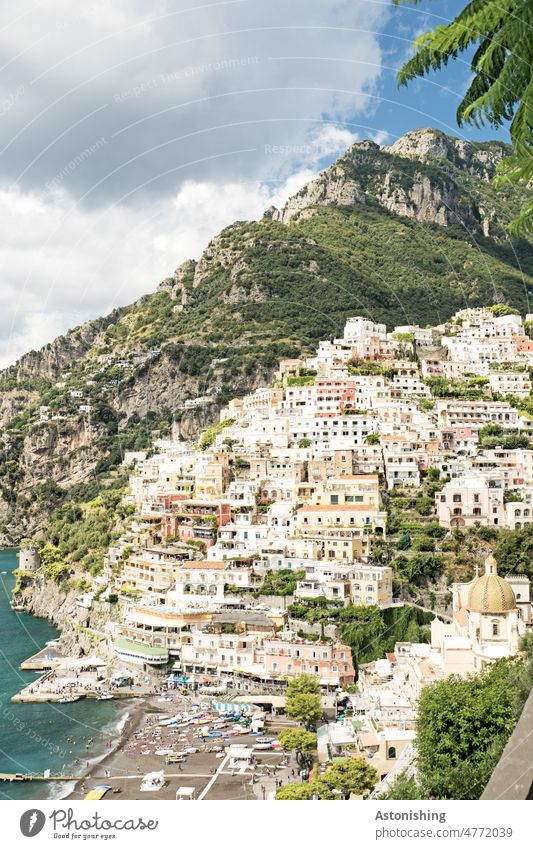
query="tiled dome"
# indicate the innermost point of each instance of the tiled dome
(489, 593)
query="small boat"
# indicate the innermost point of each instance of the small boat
(173, 720)
(104, 697)
(66, 699)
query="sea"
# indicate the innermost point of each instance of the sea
(36, 737)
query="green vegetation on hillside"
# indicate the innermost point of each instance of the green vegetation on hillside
(368, 630)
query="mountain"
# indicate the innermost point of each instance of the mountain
(406, 233)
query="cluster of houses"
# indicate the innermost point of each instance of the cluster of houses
(292, 479)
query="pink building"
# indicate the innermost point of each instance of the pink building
(330, 662)
(333, 394)
(523, 344)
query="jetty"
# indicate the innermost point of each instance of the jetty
(43, 659)
(26, 776)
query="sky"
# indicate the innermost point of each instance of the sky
(132, 132)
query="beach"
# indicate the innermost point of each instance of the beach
(206, 769)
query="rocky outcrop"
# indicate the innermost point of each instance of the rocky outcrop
(83, 630)
(220, 253)
(58, 451)
(14, 401)
(175, 285)
(386, 176)
(52, 358)
(332, 188)
(423, 199)
(479, 159)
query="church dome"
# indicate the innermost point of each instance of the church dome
(489, 593)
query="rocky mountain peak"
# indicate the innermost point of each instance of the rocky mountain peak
(426, 143)
(425, 175)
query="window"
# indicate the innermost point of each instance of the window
(495, 629)
(391, 752)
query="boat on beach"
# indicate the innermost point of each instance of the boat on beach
(172, 720)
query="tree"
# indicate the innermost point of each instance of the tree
(294, 792)
(304, 708)
(347, 776)
(304, 683)
(302, 702)
(462, 728)
(514, 552)
(300, 741)
(424, 505)
(402, 787)
(502, 85)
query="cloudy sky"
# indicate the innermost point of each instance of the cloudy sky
(131, 132)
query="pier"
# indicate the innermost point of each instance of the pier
(66, 679)
(43, 659)
(24, 776)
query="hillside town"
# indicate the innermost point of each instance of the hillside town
(351, 482)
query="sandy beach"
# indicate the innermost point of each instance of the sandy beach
(134, 755)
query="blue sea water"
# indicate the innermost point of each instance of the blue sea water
(35, 737)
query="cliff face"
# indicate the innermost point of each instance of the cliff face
(406, 233)
(82, 630)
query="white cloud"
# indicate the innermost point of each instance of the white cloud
(332, 140)
(133, 132)
(62, 265)
(172, 92)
